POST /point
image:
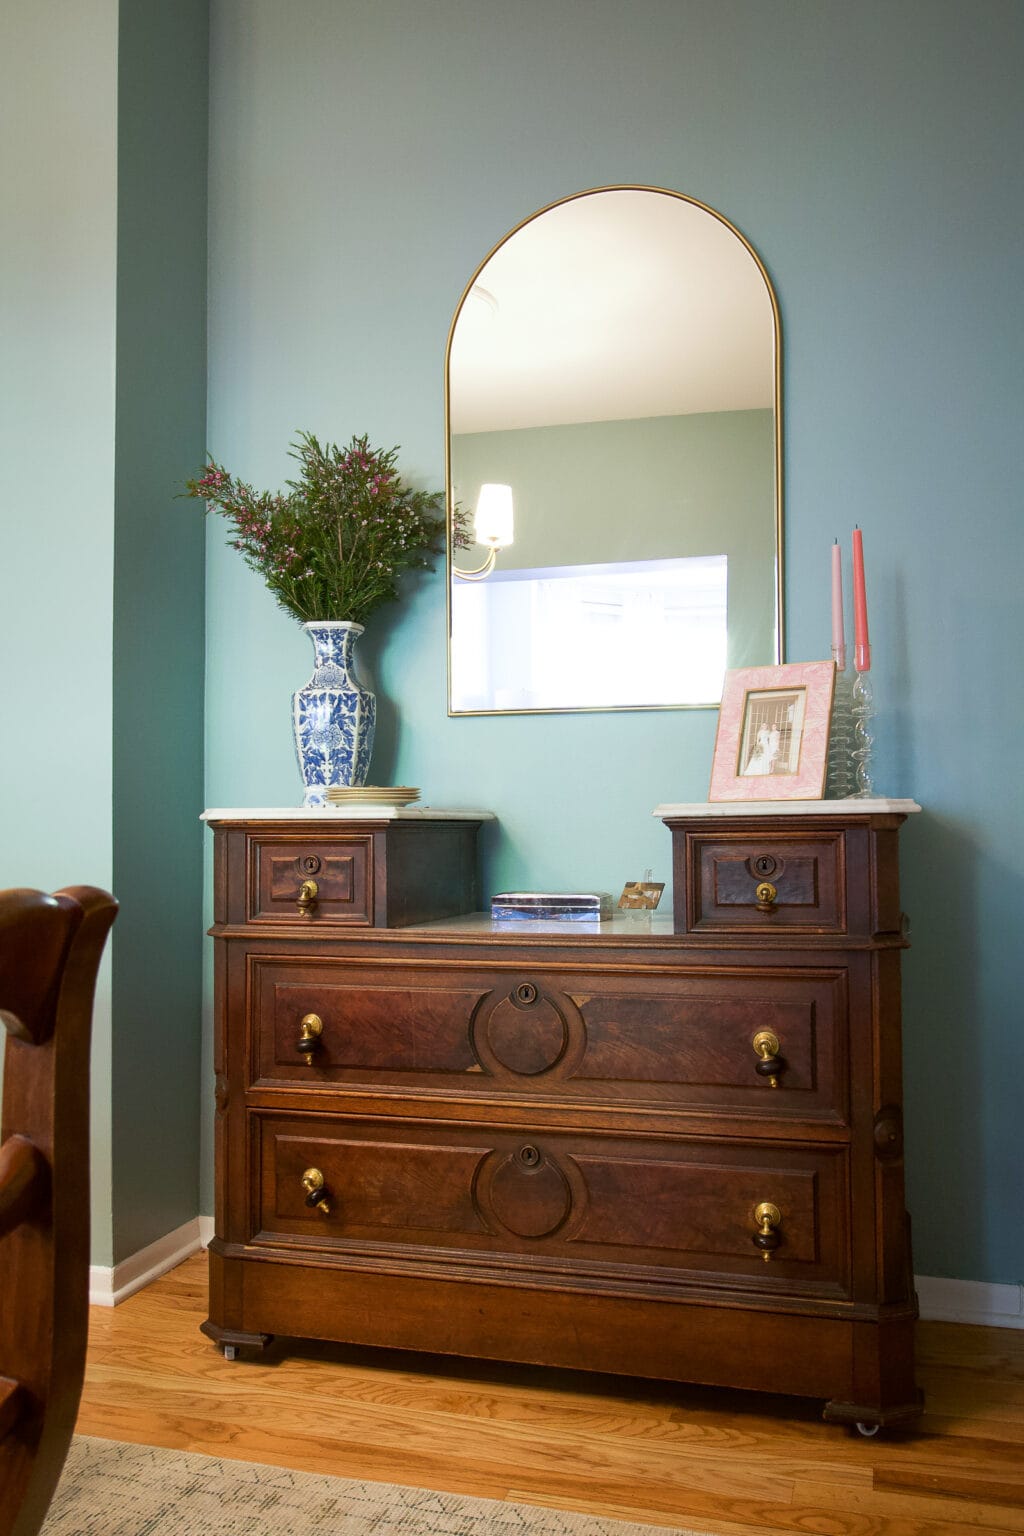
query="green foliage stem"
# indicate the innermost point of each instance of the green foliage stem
(334, 545)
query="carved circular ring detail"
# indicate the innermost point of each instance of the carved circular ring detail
(528, 1030)
(528, 1194)
(525, 1044)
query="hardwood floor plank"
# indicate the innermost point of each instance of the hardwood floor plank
(958, 1429)
(242, 1415)
(977, 1515)
(725, 1463)
(977, 1483)
(981, 1351)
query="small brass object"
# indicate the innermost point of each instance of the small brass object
(769, 1065)
(316, 1193)
(306, 899)
(768, 1218)
(766, 894)
(311, 1027)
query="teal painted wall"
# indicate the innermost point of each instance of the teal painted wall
(647, 488)
(58, 124)
(366, 156)
(159, 559)
(102, 277)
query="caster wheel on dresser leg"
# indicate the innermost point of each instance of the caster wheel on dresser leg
(867, 1430)
(230, 1351)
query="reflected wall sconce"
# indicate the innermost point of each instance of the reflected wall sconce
(492, 527)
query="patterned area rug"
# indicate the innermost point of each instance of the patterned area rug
(110, 1488)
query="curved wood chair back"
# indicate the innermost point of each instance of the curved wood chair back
(50, 950)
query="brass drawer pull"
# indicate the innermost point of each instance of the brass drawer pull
(769, 1063)
(311, 1028)
(307, 897)
(767, 895)
(767, 1237)
(316, 1191)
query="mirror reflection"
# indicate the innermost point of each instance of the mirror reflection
(613, 368)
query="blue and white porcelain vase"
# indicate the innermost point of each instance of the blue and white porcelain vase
(334, 715)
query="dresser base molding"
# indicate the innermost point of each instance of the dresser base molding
(766, 1349)
(234, 1338)
(623, 1285)
(863, 1414)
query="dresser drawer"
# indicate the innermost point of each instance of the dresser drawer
(752, 882)
(310, 879)
(761, 1041)
(537, 1198)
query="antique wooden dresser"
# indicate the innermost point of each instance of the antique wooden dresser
(673, 1151)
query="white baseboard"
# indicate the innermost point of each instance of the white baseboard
(108, 1287)
(940, 1300)
(970, 1301)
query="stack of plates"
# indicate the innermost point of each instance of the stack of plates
(371, 794)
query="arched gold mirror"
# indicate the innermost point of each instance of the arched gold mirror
(613, 383)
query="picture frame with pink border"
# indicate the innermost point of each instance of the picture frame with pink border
(773, 729)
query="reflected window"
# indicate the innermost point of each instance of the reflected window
(636, 634)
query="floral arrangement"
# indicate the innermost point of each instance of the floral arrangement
(334, 545)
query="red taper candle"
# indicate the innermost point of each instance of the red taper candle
(861, 644)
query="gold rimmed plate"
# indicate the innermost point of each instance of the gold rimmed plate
(372, 794)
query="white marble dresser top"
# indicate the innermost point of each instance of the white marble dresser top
(361, 811)
(854, 807)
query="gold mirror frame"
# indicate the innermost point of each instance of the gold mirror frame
(779, 582)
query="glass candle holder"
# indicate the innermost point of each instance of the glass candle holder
(840, 782)
(862, 711)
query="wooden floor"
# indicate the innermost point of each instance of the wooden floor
(675, 1457)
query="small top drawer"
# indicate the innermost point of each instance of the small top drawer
(750, 881)
(295, 879)
(328, 872)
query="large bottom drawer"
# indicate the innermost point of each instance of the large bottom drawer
(539, 1199)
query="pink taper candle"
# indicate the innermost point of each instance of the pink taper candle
(838, 628)
(861, 645)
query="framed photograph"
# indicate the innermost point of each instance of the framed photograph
(641, 895)
(772, 741)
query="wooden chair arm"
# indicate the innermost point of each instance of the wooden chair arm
(50, 949)
(24, 1176)
(12, 1404)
